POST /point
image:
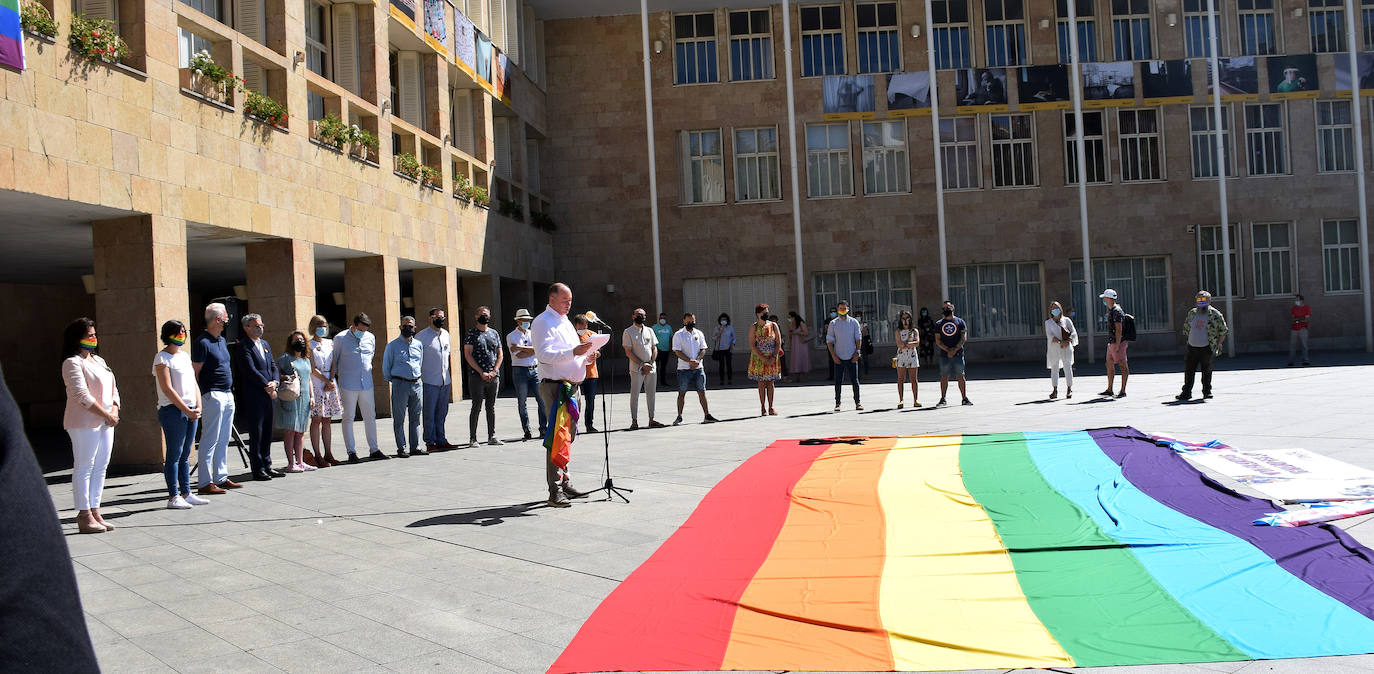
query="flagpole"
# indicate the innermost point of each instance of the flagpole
(1224, 164)
(1357, 117)
(1080, 149)
(939, 169)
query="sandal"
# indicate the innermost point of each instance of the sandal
(772, 412)
(1054, 394)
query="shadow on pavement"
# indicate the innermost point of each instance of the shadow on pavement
(482, 518)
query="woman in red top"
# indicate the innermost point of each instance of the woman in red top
(1299, 314)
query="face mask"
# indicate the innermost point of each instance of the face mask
(833, 314)
(924, 313)
(524, 325)
(844, 312)
(1104, 303)
(484, 319)
(947, 311)
(298, 346)
(690, 326)
(639, 320)
(1202, 305)
(358, 333)
(662, 321)
(438, 322)
(724, 322)
(178, 340)
(1054, 312)
(1297, 303)
(763, 317)
(407, 331)
(88, 343)
(321, 331)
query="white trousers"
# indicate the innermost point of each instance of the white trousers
(646, 381)
(90, 455)
(1061, 361)
(352, 400)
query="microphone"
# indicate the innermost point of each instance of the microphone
(593, 319)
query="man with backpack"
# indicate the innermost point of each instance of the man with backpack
(1205, 328)
(1116, 342)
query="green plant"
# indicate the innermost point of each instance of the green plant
(36, 19)
(332, 131)
(511, 209)
(205, 67)
(431, 175)
(365, 138)
(542, 220)
(407, 165)
(462, 187)
(480, 197)
(265, 108)
(96, 39)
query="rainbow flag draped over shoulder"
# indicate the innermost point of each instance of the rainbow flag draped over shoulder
(562, 426)
(979, 552)
(11, 35)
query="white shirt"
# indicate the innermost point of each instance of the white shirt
(691, 344)
(183, 377)
(554, 340)
(517, 337)
(434, 363)
(321, 352)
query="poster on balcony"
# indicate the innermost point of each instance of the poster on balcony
(848, 97)
(500, 76)
(1043, 88)
(980, 90)
(1108, 85)
(404, 11)
(436, 29)
(1364, 66)
(465, 44)
(11, 35)
(1292, 77)
(908, 94)
(482, 60)
(1166, 82)
(1239, 80)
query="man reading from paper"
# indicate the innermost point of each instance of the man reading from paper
(561, 367)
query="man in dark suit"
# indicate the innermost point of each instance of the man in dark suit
(255, 387)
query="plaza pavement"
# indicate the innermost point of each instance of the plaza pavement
(451, 562)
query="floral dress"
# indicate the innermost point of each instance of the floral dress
(768, 342)
(906, 357)
(324, 404)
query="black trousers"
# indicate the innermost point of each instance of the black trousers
(483, 393)
(1198, 356)
(257, 415)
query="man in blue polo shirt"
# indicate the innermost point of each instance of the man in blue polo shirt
(210, 358)
(951, 332)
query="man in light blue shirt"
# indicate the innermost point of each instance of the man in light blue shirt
(844, 337)
(402, 363)
(352, 369)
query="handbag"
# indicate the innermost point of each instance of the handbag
(289, 388)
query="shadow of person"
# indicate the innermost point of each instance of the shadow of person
(483, 518)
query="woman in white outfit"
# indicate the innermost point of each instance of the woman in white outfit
(92, 413)
(1060, 340)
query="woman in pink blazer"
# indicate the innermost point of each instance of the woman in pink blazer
(91, 415)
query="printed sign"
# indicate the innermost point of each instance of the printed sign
(1290, 475)
(980, 90)
(404, 11)
(436, 29)
(1239, 80)
(465, 44)
(1108, 85)
(848, 97)
(1364, 64)
(908, 94)
(1166, 82)
(1293, 77)
(1043, 88)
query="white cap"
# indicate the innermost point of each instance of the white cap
(1108, 293)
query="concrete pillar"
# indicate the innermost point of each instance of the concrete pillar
(372, 285)
(281, 286)
(140, 281)
(438, 287)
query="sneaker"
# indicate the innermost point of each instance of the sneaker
(1107, 393)
(967, 402)
(472, 442)
(837, 408)
(709, 420)
(377, 455)
(1207, 395)
(178, 503)
(527, 436)
(290, 469)
(942, 403)
(353, 458)
(194, 500)
(307, 468)
(1121, 394)
(558, 500)
(419, 452)
(402, 454)
(677, 421)
(1183, 396)
(859, 407)
(494, 442)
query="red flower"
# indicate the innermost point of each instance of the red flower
(95, 33)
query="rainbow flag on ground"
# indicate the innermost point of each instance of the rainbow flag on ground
(979, 552)
(11, 35)
(562, 426)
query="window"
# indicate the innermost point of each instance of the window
(880, 46)
(1367, 22)
(1326, 20)
(1013, 151)
(694, 48)
(1197, 37)
(1094, 148)
(959, 153)
(751, 46)
(1257, 35)
(1272, 251)
(703, 170)
(1141, 282)
(1341, 256)
(756, 164)
(210, 8)
(998, 300)
(1131, 37)
(822, 41)
(886, 170)
(1202, 128)
(1139, 135)
(1005, 22)
(1264, 151)
(1087, 30)
(314, 106)
(316, 44)
(345, 69)
(880, 294)
(1211, 257)
(188, 44)
(951, 26)
(828, 169)
(1335, 137)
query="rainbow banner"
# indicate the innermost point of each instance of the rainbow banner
(562, 426)
(11, 35)
(1069, 549)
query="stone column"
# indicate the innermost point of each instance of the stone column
(140, 282)
(438, 287)
(372, 285)
(281, 287)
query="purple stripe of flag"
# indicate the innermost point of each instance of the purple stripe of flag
(1323, 556)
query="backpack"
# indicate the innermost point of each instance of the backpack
(1127, 327)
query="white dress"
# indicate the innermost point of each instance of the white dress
(1057, 356)
(906, 358)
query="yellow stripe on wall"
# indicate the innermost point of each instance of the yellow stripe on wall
(949, 596)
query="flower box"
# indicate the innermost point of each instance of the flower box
(205, 87)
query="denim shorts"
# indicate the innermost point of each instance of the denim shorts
(693, 380)
(951, 367)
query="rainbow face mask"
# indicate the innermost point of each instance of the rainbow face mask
(179, 340)
(89, 343)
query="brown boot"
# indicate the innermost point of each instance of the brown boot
(329, 457)
(95, 515)
(87, 524)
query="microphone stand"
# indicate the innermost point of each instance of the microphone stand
(608, 485)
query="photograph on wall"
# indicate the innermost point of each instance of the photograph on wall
(980, 86)
(908, 94)
(436, 29)
(848, 97)
(482, 60)
(1043, 88)
(1166, 82)
(1293, 76)
(1110, 84)
(1239, 79)
(465, 43)
(1364, 65)
(500, 76)
(404, 11)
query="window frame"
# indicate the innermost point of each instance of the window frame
(832, 155)
(959, 293)
(902, 162)
(1133, 20)
(691, 197)
(1347, 129)
(709, 48)
(1367, 24)
(1071, 149)
(759, 159)
(1097, 322)
(1226, 133)
(1337, 248)
(1195, 19)
(1017, 57)
(1085, 42)
(1013, 145)
(941, 30)
(1323, 10)
(768, 62)
(877, 31)
(963, 149)
(324, 45)
(1269, 250)
(826, 290)
(822, 34)
(1237, 261)
(1275, 28)
(1160, 154)
(1286, 167)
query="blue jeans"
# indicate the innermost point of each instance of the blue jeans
(852, 369)
(217, 417)
(527, 384)
(589, 386)
(436, 413)
(180, 434)
(405, 403)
